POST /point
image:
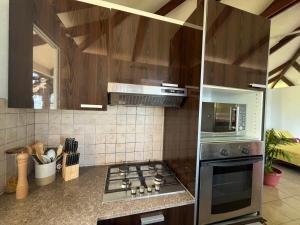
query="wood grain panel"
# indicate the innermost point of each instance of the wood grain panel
(140, 59)
(83, 64)
(183, 215)
(236, 47)
(20, 54)
(181, 125)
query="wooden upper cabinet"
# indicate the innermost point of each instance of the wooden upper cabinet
(58, 54)
(237, 47)
(140, 49)
(20, 54)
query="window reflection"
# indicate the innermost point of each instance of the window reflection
(45, 71)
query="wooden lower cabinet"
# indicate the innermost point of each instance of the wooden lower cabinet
(183, 215)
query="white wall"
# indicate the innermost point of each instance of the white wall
(283, 109)
(4, 12)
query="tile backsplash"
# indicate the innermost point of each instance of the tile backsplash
(16, 130)
(118, 134)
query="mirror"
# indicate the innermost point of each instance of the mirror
(45, 71)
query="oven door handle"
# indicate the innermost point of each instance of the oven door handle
(235, 163)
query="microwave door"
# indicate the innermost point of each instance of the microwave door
(223, 117)
(208, 117)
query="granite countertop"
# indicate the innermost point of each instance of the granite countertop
(77, 202)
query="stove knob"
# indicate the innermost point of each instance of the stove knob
(149, 189)
(133, 191)
(157, 187)
(245, 151)
(224, 152)
(142, 190)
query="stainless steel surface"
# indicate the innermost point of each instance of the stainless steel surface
(132, 94)
(238, 155)
(140, 180)
(90, 106)
(152, 218)
(223, 150)
(223, 119)
(263, 86)
(248, 219)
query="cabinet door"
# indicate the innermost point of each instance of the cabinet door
(140, 49)
(236, 53)
(20, 54)
(183, 215)
(58, 54)
(81, 32)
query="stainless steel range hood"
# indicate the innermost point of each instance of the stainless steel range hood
(132, 94)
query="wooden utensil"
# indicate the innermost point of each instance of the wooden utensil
(39, 148)
(59, 151)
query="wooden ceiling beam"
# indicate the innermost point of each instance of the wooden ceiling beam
(279, 68)
(284, 41)
(296, 66)
(286, 68)
(287, 81)
(284, 79)
(142, 26)
(278, 6)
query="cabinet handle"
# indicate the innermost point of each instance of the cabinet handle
(258, 85)
(158, 218)
(90, 106)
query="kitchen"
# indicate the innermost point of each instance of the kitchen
(165, 115)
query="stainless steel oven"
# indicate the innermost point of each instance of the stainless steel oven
(230, 186)
(223, 118)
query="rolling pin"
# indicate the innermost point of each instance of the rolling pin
(22, 160)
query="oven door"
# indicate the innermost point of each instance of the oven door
(229, 188)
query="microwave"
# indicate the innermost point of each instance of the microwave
(223, 119)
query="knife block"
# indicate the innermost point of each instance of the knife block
(69, 172)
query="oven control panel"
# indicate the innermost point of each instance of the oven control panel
(222, 150)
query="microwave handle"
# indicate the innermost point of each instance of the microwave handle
(232, 109)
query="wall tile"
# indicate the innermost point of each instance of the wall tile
(130, 157)
(41, 117)
(130, 147)
(120, 157)
(120, 147)
(110, 148)
(119, 134)
(16, 130)
(110, 158)
(100, 148)
(67, 118)
(11, 120)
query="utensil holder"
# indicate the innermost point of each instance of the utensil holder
(45, 173)
(69, 172)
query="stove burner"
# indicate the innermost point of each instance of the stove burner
(126, 183)
(151, 166)
(158, 179)
(123, 169)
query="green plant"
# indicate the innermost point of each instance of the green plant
(272, 148)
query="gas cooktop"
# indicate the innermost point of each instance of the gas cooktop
(140, 180)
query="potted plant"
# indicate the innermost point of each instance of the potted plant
(272, 151)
